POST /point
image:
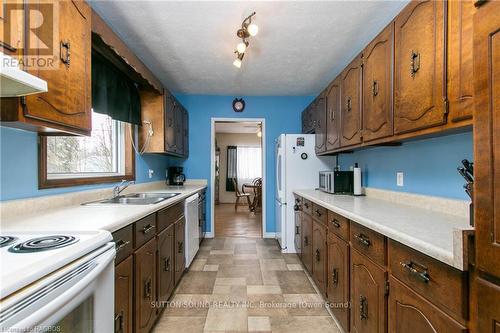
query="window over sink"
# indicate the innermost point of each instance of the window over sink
(104, 156)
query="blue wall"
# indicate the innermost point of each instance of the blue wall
(282, 115)
(19, 167)
(429, 166)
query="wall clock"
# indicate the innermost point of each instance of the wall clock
(238, 105)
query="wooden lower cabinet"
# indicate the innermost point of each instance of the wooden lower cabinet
(298, 227)
(166, 273)
(319, 256)
(124, 292)
(307, 246)
(337, 287)
(145, 286)
(180, 259)
(409, 312)
(368, 295)
(488, 308)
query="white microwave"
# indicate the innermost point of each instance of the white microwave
(336, 181)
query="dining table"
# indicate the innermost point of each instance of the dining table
(257, 199)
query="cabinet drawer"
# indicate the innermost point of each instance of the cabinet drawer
(170, 215)
(368, 242)
(441, 284)
(307, 206)
(144, 230)
(407, 310)
(124, 244)
(339, 225)
(319, 213)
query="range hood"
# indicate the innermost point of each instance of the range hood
(16, 82)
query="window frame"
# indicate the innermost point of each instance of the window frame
(44, 182)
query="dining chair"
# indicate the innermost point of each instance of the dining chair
(240, 195)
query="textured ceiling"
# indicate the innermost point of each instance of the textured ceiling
(300, 47)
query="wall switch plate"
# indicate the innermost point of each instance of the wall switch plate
(150, 173)
(400, 179)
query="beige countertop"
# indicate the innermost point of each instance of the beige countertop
(110, 217)
(439, 235)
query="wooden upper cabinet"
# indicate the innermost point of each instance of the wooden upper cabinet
(487, 136)
(320, 115)
(152, 113)
(170, 106)
(420, 76)
(333, 115)
(460, 40)
(409, 312)
(12, 30)
(368, 295)
(185, 132)
(66, 67)
(377, 86)
(350, 103)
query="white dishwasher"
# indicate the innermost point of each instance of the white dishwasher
(192, 238)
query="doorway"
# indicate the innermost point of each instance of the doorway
(238, 178)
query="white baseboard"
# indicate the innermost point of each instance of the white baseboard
(269, 235)
(209, 235)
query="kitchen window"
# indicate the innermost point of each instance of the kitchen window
(105, 156)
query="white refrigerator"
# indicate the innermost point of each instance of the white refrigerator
(297, 167)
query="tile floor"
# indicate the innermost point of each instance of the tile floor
(245, 285)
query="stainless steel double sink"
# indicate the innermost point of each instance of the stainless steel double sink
(135, 199)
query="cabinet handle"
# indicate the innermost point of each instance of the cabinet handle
(332, 114)
(147, 288)
(418, 270)
(119, 322)
(317, 255)
(180, 246)
(363, 307)
(306, 241)
(318, 213)
(166, 262)
(120, 244)
(362, 239)
(65, 52)
(296, 229)
(414, 63)
(375, 88)
(147, 228)
(296, 207)
(335, 223)
(348, 104)
(335, 277)
(306, 205)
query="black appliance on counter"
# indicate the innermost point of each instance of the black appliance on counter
(175, 176)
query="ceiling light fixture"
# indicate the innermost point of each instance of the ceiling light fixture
(259, 133)
(248, 29)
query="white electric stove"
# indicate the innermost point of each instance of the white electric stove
(57, 281)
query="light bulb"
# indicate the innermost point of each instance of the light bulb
(237, 63)
(241, 47)
(253, 29)
(259, 134)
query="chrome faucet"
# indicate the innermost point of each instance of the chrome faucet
(122, 186)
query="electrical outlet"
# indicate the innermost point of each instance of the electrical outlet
(150, 173)
(400, 179)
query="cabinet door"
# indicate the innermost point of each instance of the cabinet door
(12, 28)
(166, 263)
(307, 245)
(409, 312)
(180, 259)
(186, 134)
(298, 227)
(320, 130)
(350, 104)
(170, 105)
(368, 295)
(420, 75)
(68, 101)
(488, 308)
(124, 293)
(333, 115)
(487, 136)
(145, 286)
(337, 288)
(179, 128)
(377, 86)
(319, 255)
(460, 85)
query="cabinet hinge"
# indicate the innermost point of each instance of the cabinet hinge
(387, 287)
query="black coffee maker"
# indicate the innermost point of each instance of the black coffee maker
(175, 176)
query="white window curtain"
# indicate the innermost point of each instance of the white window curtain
(249, 164)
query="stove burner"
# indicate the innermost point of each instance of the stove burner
(6, 240)
(43, 244)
